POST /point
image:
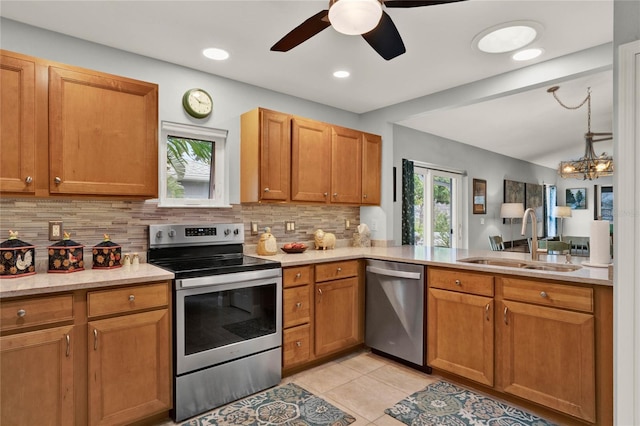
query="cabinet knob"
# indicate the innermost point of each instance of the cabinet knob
(298, 343)
(339, 269)
(131, 298)
(57, 180)
(335, 194)
(543, 294)
(266, 190)
(325, 194)
(458, 283)
(22, 313)
(28, 179)
(299, 305)
(299, 275)
(364, 196)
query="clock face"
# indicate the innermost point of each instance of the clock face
(197, 103)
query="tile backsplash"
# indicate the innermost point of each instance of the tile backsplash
(126, 221)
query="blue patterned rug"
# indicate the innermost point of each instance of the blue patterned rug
(442, 403)
(288, 405)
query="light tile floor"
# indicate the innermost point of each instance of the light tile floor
(361, 384)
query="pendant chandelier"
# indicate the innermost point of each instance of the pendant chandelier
(590, 166)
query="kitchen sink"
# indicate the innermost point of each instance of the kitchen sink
(508, 263)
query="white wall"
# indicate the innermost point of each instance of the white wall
(579, 224)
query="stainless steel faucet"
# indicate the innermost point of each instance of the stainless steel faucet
(535, 251)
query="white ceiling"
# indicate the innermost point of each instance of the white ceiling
(438, 39)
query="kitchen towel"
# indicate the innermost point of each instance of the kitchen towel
(599, 245)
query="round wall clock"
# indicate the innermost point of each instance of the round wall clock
(197, 103)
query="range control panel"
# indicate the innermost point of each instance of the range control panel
(194, 235)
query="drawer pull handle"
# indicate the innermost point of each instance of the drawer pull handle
(132, 298)
(458, 282)
(298, 343)
(486, 311)
(95, 339)
(299, 305)
(543, 294)
(299, 275)
(68, 345)
(22, 313)
(506, 311)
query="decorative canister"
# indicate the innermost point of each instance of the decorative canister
(267, 245)
(66, 256)
(107, 254)
(18, 257)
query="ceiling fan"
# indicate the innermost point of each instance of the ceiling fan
(363, 17)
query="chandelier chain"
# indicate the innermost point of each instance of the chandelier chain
(587, 99)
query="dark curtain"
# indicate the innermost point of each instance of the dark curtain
(408, 197)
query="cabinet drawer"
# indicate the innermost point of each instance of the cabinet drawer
(16, 314)
(464, 282)
(547, 294)
(296, 345)
(298, 275)
(296, 305)
(336, 270)
(128, 299)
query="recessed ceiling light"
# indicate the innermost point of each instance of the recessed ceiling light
(216, 54)
(507, 37)
(341, 74)
(527, 54)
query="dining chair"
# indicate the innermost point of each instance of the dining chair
(496, 243)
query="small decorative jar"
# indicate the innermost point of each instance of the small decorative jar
(267, 245)
(18, 258)
(107, 254)
(66, 256)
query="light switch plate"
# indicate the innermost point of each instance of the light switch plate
(289, 226)
(254, 228)
(55, 230)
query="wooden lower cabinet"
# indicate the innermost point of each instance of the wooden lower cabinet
(36, 369)
(337, 315)
(129, 367)
(296, 346)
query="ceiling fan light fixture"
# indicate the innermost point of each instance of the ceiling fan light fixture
(507, 37)
(354, 17)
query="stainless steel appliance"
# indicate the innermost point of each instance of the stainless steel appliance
(227, 315)
(394, 310)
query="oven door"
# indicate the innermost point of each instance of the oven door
(220, 318)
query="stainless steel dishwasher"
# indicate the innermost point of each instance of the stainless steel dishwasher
(394, 311)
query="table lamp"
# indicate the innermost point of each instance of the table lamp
(561, 212)
(511, 211)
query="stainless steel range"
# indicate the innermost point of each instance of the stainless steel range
(227, 315)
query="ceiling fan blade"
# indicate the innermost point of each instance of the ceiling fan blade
(385, 38)
(303, 32)
(416, 3)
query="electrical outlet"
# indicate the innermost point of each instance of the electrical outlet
(374, 225)
(55, 230)
(289, 226)
(254, 228)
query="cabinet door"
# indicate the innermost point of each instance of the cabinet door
(346, 165)
(103, 134)
(310, 160)
(275, 156)
(548, 357)
(371, 168)
(37, 378)
(460, 334)
(129, 367)
(17, 133)
(337, 316)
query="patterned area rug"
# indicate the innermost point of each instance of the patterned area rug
(288, 405)
(442, 403)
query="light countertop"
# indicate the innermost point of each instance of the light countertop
(438, 256)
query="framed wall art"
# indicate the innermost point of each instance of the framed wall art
(479, 196)
(514, 193)
(533, 195)
(576, 198)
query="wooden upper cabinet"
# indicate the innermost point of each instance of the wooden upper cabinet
(346, 165)
(18, 130)
(103, 136)
(310, 160)
(371, 168)
(265, 166)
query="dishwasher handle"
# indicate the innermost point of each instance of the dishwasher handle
(394, 273)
